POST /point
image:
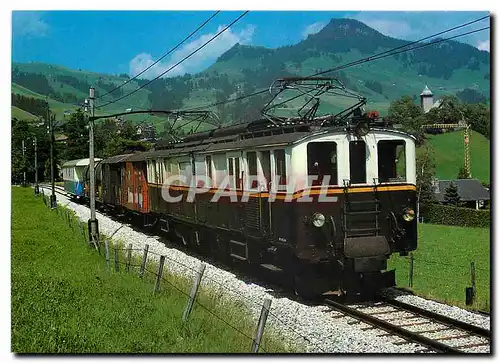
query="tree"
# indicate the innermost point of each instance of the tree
(403, 110)
(425, 168)
(25, 130)
(469, 95)
(406, 113)
(78, 137)
(478, 115)
(451, 195)
(449, 111)
(47, 172)
(462, 173)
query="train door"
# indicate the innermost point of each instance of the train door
(357, 162)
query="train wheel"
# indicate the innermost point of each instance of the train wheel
(303, 287)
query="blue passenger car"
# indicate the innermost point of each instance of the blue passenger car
(75, 176)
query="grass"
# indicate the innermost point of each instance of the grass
(449, 155)
(442, 264)
(65, 301)
(22, 115)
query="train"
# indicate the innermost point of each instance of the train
(321, 204)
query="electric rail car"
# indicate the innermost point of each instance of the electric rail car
(323, 207)
(322, 202)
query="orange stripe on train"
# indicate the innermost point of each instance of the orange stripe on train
(300, 193)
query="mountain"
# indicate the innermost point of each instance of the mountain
(448, 67)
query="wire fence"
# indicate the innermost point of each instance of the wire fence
(123, 259)
(462, 281)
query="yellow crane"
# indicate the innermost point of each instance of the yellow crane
(461, 125)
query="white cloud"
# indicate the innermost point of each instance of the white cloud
(483, 45)
(29, 23)
(197, 61)
(392, 28)
(313, 28)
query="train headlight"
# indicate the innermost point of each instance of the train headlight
(408, 214)
(318, 220)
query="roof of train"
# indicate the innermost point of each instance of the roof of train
(232, 142)
(78, 162)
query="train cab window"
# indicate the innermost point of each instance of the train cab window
(322, 162)
(265, 162)
(252, 169)
(280, 166)
(391, 161)
(357, 161)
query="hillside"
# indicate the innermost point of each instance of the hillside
(449, 155)
(447, 68)
(66, 89)
(22, 115)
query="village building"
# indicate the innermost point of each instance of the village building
(471, 192)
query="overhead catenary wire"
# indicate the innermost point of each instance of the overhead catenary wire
(162, 57)
(370, 58)
(182, 60)
(391, 52)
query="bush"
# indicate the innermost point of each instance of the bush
(456, 216)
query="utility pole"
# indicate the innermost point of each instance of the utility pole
(37, 189)
(53, 203)
(24, 164)
(93, 224)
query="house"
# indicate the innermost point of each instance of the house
(146, 132)
(61, 138)
(470, 191)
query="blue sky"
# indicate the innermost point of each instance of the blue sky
(128, 41)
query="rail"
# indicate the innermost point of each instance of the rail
(481, 337)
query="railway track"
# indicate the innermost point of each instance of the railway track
(435, 333)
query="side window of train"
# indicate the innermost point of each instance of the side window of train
(322, 162)
(391, 160)
(357, 161)
(234, 172)
(166, 171)
(219, 168)
(156, 177)
(265, 162)
(252, 169)
(280, 166)
(186, 170)
(208, 166)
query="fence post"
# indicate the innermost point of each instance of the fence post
(410, 272)
(194, 291)
(158, 275)
(260, 327)
(144, 259)
(107, 254)
(473, 280)
(117, 267)
(129, 257)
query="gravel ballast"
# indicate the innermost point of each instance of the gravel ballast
(313, 329)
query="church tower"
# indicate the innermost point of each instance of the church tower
(426, 99)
